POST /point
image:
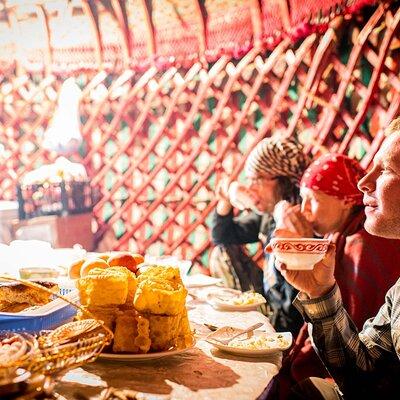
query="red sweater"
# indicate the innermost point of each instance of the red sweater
(366, 267)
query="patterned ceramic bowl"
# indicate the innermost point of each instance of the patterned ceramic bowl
(299, 253)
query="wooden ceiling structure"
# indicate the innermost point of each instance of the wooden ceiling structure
(176, 93)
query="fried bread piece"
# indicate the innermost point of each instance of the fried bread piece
(163, 330)
(103, 287)
(169, 274)
(14, 293)
(157, 296)
(131, 333)
(184, 337)
(106, 314)
(14, 307)
(131, 279)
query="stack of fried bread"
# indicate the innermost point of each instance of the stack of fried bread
(145, 310)
(16, 297)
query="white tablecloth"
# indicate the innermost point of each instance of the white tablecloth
(200, 373)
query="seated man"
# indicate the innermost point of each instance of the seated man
(273, 170)
(365, 364)
(332, 207)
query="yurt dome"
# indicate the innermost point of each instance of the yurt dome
(173, 95)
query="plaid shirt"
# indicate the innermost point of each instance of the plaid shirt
(376, 348)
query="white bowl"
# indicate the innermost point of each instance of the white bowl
(299, 253)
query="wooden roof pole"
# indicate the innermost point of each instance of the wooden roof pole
(122, 19)
(13, 23)
(285, 14)
(202, 33)
(256, 20)
(91, 11)
(44, 18)
(151, 41)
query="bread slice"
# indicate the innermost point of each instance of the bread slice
(13, 294)
(131, 333)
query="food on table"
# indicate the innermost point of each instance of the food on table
(12, 348)
(163, 330)
(261, 342)
(131, 279)
(170, 274)
(244, 299)
(123, 259)
(15, 351)
(145, 312)
(16, 297)
(74, 271)
(90, 264)
(14, 308)
(103, 287)
(138, 258)
(106, 314)
(132, 333)
(104, 256)
(159, 296)
(185, 337)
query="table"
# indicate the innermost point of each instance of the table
(200, 373)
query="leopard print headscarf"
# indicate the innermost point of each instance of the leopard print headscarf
(274, 157)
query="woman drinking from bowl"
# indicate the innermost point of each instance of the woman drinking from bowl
(273, 171)
(332, 208)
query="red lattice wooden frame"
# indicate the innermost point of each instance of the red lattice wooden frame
(158, 142)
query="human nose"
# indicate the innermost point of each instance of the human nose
(368, 182)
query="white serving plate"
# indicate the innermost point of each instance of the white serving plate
(218, 303)
(250, 352)
(143, 357)
(199, 280)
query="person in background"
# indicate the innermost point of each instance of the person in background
(364, 363)
(273, 171)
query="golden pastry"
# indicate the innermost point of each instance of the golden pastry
(169, 274)
(103, 287)
(123, 259)
(131, 279)
(184, 337)
(74, 270)
(163, 330)
(13, 294)
(90, 264)
(106, 314)
(131, 333)
(157, 296)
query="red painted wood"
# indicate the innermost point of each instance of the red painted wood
(157, 141)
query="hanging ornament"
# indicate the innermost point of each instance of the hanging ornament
(63, 134)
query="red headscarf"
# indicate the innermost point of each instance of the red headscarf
(335, 175)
